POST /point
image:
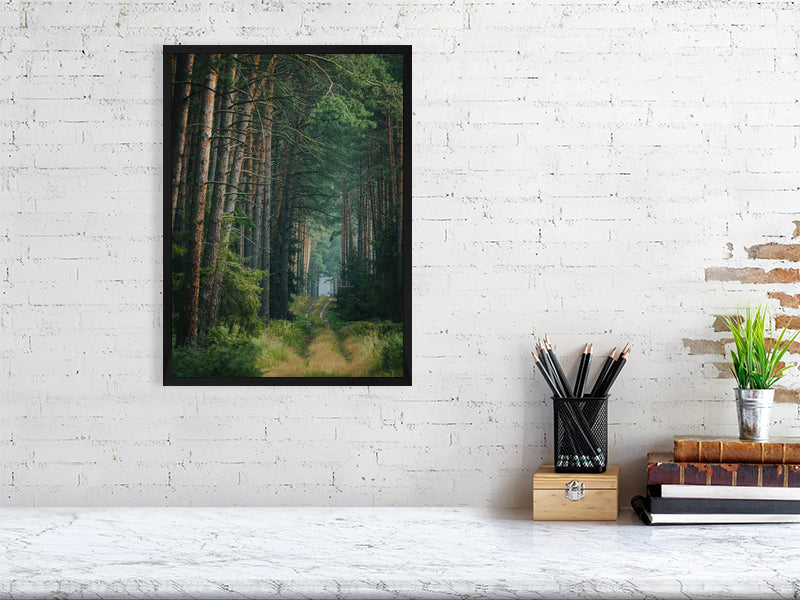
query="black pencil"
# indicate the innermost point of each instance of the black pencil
(602, 375)
(604, 386)
(540, 355)
(581, 363)
(547, 360)
(581, 432)
(614, 373)
(547, 364)
(577, 444)
(576, 455)
(583, 370)
(559, 370)
(545, 374)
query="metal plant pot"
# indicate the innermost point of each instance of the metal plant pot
(754, 409)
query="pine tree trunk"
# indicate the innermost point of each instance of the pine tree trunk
(258, 208)
(188, 335)
(283, 219)
(282, 177)
(306, 251)
(344, 234)
(181, 89)
(390, 160)
(399, 211)
(265, 225)
(360, 213)
(254, 197)
(372, 210)
(188, 168)
(212, 164)
(293, 253)
(232, 194)
(212, 246)
(284, 247)
(343, 245)
(248, 187)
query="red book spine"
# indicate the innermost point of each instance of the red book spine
(735, 451)
(661, 469)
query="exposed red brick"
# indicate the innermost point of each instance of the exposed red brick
(723, 370)
(781, 321)
(705, 346)
(794, 347)
(719, 322)
(783, 395)
(786, 300)
(775, 252)
(787, 321)
(752, 275)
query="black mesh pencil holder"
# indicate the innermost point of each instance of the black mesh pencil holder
(581, 435)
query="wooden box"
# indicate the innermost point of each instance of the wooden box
(575, 496)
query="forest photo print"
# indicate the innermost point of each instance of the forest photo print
(287, 215)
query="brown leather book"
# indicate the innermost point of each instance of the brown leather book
(662, 468)
(695, 448)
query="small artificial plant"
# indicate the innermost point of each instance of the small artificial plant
(755, 363)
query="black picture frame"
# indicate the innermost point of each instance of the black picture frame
(170, 54)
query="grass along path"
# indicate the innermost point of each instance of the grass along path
(321, 353)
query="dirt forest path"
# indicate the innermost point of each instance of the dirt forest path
(325, 352)
(322, 312)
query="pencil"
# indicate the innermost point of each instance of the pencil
(545, 374)
(581, 432)
(578, 374)
(604, 387)
(580, 428)
(614, 373)
(547, 360)
(569, 448)
(601, 376)
(570, 451)
(540, 353)
(559, 370)
(583, 370)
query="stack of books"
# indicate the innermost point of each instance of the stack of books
(722, 480)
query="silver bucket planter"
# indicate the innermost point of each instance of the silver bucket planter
(754, 408)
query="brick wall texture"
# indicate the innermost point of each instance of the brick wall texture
(599, 172)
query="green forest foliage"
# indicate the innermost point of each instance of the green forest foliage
(241, 299)
(374, 288)
(223, 353)
(387, 344)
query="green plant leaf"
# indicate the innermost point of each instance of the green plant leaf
(753, 364)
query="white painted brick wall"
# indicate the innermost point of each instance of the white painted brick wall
(577, 167)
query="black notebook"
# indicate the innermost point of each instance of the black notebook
(657, 504)
(641, 505)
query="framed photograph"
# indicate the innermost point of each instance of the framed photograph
(287, 215)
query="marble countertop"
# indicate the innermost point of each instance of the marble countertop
(383, 553)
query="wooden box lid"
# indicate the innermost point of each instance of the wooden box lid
(547, 479)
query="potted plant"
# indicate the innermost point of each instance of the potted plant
(755, 366)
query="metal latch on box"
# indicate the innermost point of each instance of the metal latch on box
(573, 490)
